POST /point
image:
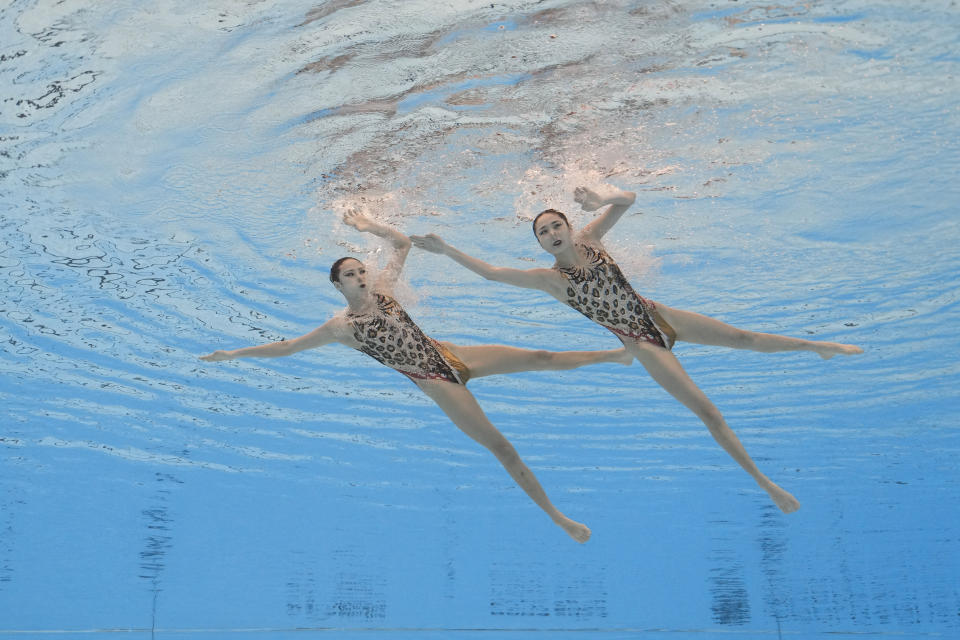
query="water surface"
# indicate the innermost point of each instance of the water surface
(171, 181)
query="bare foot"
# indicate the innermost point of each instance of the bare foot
(783, 499)
(577, 531)
(829, 349)
(217, 356)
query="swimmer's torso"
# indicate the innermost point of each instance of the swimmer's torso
(600, 291)
(389, 336)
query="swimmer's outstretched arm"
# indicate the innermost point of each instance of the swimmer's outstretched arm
(616, 200)
(322, 335)
(401, 245)
(542, 279)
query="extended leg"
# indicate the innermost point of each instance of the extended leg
(694, 327)
(462, 408)
(664, 367)
(487, 360)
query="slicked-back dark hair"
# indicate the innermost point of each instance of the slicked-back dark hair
(545, 212)
(335, 268)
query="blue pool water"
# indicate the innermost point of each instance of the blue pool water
(171, 180)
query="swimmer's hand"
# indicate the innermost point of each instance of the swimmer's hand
(593, 199)
(217, 356)
(588, 199)
(356, 219)
(430, 242)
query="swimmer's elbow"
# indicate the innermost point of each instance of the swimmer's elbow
(496, 274)
(290, 347)
(317, 338)
(285, 348)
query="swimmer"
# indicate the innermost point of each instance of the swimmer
(377, 325)
(586, 278)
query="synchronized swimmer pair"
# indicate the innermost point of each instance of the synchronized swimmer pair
(584, 277)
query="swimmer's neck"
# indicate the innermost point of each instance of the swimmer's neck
(569, 257)
(361, 303)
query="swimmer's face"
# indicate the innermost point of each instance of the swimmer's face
(353, 279)
(553, 233)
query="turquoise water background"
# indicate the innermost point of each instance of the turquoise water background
(171, 180)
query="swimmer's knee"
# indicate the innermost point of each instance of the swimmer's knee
(505, 452)
(711, 416)
(743, 339)
(714, 416)
(541, 356)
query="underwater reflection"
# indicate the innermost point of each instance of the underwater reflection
(159, 538)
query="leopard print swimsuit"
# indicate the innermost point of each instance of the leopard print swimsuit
(389, 336)
(601, 292)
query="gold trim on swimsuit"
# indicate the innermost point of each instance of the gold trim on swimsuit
(462, 370)
(663, 325)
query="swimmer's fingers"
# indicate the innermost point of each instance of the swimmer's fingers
(430, 242)
(419, 241)
(356, 219)
(588, 199)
